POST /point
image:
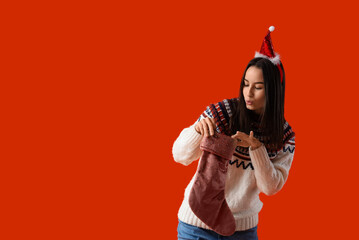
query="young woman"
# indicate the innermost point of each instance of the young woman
(262, 158)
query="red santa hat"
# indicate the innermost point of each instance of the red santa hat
(267, 51)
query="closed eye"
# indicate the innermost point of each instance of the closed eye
(258, 88)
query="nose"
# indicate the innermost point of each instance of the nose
(250, 92)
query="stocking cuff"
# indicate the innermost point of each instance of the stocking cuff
(219, 144)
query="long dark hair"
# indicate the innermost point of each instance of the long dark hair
(269, 125)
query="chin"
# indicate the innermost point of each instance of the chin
(250, 107)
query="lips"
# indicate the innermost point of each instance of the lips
(249, 102)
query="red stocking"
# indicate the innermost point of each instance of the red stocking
(207, 199)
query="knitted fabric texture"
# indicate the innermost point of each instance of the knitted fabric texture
(249, 172)
(221, 113)
(207, 198)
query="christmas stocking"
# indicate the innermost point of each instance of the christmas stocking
(207, 199)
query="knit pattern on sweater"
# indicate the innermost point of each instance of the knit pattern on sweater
(249, 172)
(221, 112)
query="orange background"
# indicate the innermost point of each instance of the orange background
(95, 93)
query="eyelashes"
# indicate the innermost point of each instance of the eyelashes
(255, 87)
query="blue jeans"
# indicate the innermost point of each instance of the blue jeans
(189, 232)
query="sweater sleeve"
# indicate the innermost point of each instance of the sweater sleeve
(271, 175)
(186, 147)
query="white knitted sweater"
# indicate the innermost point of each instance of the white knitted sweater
(245, 178)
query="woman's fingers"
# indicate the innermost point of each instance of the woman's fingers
(198, 128)
(242, 139)
(213, 123)
(242, 135)
(209, 122)
(206, 127)
(201, 128)
(251, 134)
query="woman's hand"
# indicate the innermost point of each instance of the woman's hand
(245, 140)
(206, 127)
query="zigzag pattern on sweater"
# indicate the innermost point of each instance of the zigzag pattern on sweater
(288, 148)
(241, 164)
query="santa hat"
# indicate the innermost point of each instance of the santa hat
(267, 51)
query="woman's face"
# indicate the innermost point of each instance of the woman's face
(253, 90)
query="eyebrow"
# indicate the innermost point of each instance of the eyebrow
(255, 82)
